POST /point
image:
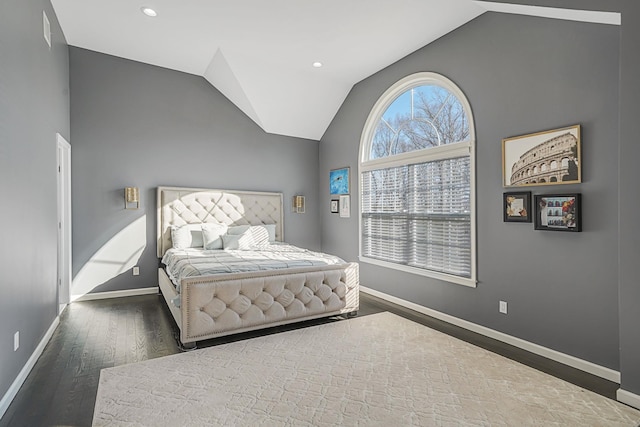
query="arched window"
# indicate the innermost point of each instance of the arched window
(554, 164)
(417, 186)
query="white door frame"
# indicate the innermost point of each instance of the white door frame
(64, 222)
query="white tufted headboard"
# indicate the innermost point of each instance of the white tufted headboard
(178, 206)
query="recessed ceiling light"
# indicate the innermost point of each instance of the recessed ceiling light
(149, 12)
(317, 64)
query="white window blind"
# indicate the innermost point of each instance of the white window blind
(419, 215)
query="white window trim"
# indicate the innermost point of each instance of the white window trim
(463, 148)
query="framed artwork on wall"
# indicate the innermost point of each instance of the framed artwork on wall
(345, 207)
(558, 212)
(545, 158)
(339, 181)
(334, 205)
(516, 206)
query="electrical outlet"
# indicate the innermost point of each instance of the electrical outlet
(16, 341)
(503, 307)
(136, 271)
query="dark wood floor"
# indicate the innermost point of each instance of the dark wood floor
(92, 335)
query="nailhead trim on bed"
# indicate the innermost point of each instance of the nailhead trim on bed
(239, 303)
(218, 305)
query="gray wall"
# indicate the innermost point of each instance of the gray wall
(34, 105)
(521, 75)
(629, 175)
(134, 124)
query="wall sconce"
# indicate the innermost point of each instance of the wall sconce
(131, 196)
(298, 204)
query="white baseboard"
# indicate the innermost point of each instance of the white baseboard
(115, 294)
(22, 376)
(629, 398)
(583, 365)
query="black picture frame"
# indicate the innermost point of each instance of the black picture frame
(335, 206)
(558, 212)
(516, 206)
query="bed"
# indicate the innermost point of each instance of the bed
(242, 276)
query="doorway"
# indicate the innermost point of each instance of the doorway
(64, 222)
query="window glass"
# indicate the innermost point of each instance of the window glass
(416, 209)
(422, 117)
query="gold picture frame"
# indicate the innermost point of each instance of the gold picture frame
(550, 157)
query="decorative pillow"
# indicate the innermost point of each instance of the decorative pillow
(260, 235)
(255, 236)
(212, 235)
(186, 236)
(242, 241)
(271, 229)
(238, 229)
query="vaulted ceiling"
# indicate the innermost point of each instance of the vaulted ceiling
(260, 53)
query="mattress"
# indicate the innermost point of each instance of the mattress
(191, 262)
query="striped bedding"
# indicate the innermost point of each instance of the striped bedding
(182, 263)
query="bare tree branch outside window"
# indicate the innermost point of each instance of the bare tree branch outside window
(419, 214)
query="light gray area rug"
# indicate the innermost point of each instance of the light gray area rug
(377, 370)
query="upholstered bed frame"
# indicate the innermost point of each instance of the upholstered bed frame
(223, 304)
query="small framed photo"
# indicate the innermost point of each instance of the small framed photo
(558, 212)
(339, 181)
(345, 207)
(516, 206)
(334, 205)
(550, 157)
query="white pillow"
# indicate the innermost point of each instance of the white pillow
(238, 229)
(271, 229)
(262, 234)
(242, 241)
(186, 236)
(212, 235)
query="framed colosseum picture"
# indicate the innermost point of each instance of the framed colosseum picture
(544, 158)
